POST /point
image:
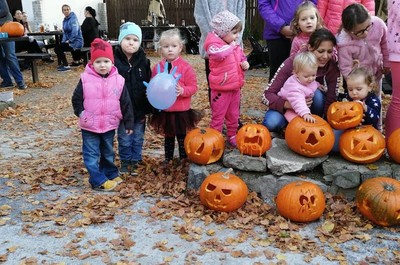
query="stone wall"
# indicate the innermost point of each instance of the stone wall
(267, 175)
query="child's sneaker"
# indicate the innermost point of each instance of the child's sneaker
(125, 166)
(109, 185)
(63, 68)
(232, 141)
(134, 166)
(119, 180)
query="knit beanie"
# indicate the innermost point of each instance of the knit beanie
(101, 48)
(127, 29)
(223, 22)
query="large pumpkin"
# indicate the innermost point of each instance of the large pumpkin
(223, 191)
(378, 199)
(14, 29)
(393, 146)
(300, 201)
(345, 115)
(204, 146)
(309, 139)
(362, 145)
(253, 139)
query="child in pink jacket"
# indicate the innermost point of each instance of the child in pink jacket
(331, 11)
(227, 66)
(300, 85)
(393, 112)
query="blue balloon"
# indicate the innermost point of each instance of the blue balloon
(161, 90)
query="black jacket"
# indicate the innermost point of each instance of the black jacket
(135, 72)
(90, 30)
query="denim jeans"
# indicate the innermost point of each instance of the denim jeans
(9, 64)
(98, 156)
(130, 146)
(275, 121)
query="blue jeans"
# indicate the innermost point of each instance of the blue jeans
(130, 146)
(275, 121)
(98, 156)
(9, 64)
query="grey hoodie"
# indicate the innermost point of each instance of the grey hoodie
(5, 14)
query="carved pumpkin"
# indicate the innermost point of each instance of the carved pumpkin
(14, 29)
(393, 146)
(253, 139)
(345, 115)
(223, 192)
(378, 200)
(362, 145)
(204, 146)
(300, 201)
(309, 139)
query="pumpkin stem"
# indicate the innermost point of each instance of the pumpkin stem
(388, 187)
(226, 173)
(202, 131)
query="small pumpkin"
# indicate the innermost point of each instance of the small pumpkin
(345, 115)
(204, 146)
(378, 199)
(223, 192)
(362, 145)
(309, 139)
(393, 146)
(14, 29)
(253, 139)
(300, 201)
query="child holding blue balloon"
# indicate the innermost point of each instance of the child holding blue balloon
(227, 66)
(134, 66)
(177, 119)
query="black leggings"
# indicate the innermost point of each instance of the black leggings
(169, 146)
(60, 51)
(279, 51)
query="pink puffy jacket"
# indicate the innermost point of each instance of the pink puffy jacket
(331, 11)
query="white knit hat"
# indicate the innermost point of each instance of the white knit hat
(223, 22)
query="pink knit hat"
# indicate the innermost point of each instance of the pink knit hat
(223, 22)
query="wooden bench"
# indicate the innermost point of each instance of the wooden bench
(31, 58)
(85, 54)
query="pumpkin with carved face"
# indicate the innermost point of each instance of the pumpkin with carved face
(253, 139)
(362, 145)
(204, 146)
(378, 200)
(393, 146)
(309, 139)
(223, 192)
(300, 201)
(345, 115)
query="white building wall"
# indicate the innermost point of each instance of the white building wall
(49, 11)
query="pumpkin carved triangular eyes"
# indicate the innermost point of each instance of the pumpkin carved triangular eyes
(210, 187)
(226, 191)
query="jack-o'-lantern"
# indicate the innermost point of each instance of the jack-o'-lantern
(345, 115)
(13, 29)
(362, 145)
(309, 139)
(393, 146)
(223, 192)
(300, 201)
(204, 146)
(378, 200)
(253, 139)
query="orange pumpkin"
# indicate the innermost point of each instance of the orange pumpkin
(363, 145)
(378, 199)
(204, 146)
(253, 139)
(223, 191)
(345, 115)
(14, 29)
(393, 146)
(309, 139)
(300, 201)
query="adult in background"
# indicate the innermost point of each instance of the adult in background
(72, 40)
(90, 26)
(8, 59)
(277, 15)
(321, 43)
(205, 10)
(393, 113)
